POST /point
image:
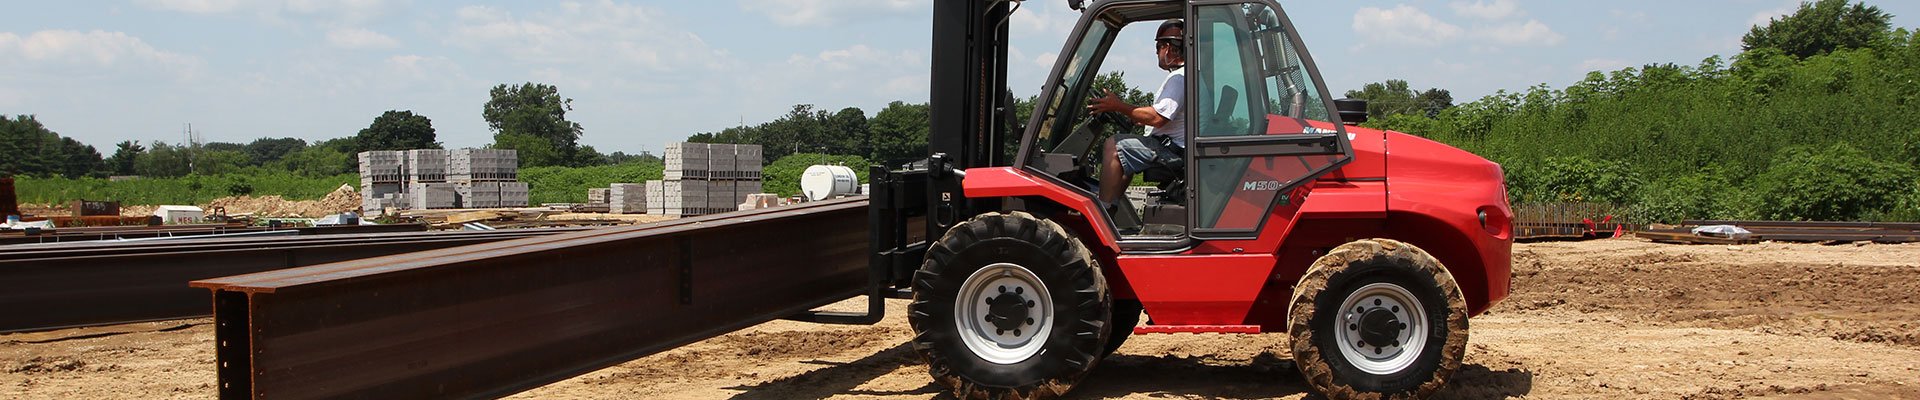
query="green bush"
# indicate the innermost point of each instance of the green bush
(190, 189)
(1838, 182)
(570, 184)
(1572, 179)
(1704, 195)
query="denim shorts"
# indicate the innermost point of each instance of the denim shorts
(1137, 153)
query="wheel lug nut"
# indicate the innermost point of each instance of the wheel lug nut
(999, 331)
(1019, 290)
(1376, 302)
(1029, 303)
(1377, 351)
(1353, 327)
(1016, 332)
(1003, 289)
(1029, 321)
(1396, 308)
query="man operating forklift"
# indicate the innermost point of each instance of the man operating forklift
(1166, 139)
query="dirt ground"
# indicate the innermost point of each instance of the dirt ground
(1598, 319)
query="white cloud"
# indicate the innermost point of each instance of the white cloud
(1489, 10)
(862, 66)
(278, 11)
(194, 6)
(360, 39)
(64, 49)
(1402, 25)
(828, 12)
(601, 33)
(1530, 33)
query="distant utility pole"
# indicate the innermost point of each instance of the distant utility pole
(187, 135)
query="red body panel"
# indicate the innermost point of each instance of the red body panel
(1397, 186)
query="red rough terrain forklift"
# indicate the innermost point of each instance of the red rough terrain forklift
(1369, 249)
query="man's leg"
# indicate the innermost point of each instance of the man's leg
(1113, 178)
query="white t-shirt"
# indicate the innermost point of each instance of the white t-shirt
(1172, 93)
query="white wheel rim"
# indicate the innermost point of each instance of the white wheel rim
(981, 328)
(1377, 307)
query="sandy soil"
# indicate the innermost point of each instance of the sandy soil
(1599, 319)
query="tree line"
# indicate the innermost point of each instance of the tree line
(1813, 120)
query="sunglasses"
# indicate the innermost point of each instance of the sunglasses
(1166, 41)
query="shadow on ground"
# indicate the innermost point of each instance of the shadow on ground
(1264, 376)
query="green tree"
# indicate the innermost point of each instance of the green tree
(29, 148)
(162, 161)
(1396, 97)
(1820, 28)
(397, 130)
(316, 161)
(537, 111)
(124, 154)
(899, 132)
(1839, 182)
(266, 150)
(533, 151)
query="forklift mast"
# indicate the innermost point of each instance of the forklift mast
(969, 112)
(966, 105)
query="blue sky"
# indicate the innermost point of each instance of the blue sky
(645, 73)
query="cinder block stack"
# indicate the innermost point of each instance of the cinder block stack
(436, 179)
(722, 174)
(656, 195)
(431, 196)
(426, 166)
(598, 195)
(684, 197)
(484, 165)
(481, 195)
(514, 194)
(381, 173)
(627, 198)
(686, 161)
(747, 162)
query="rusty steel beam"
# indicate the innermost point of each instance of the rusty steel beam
(80, 284)
(497, 319)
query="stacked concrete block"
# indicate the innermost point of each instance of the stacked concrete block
(431, 196)
(627, 198)
(656, 192)
(720, 161)
(743, 188)
(686, 161)
(684, 197)
(480, 195)
(747, 162)
(598, 195)
(720, 195)
(483, 165)
(378, 167)
(514, 194)
(426, 166)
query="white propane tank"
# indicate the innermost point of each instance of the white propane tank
(821, 182)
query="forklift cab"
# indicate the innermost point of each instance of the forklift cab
(1258, 120)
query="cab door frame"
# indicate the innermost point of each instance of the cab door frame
(1264, 144)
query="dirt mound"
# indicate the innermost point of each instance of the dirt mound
(340, 200)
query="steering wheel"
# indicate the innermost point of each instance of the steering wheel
(1101, 126)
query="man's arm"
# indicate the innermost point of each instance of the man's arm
(1143, 115)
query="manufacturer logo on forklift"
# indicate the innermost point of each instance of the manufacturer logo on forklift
(1266, 186)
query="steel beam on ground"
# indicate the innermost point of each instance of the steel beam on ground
(497, 319)
(79, 284)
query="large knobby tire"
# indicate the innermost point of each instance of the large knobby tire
(1377, 318)
(1009, 306)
